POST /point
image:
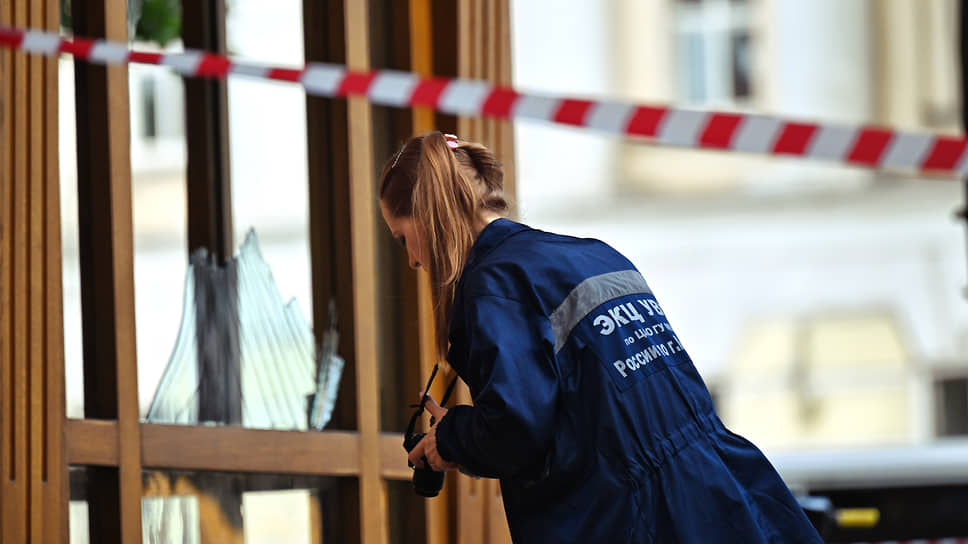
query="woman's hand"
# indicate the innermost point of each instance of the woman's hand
(427, 447)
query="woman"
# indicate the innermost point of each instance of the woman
(586, 406)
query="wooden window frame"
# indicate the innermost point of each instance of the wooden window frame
(33, 477)
(37, 442)
(111, 441)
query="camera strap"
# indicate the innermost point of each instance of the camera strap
(423, 400)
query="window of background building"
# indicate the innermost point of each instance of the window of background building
(713, 51)
(951, 400)
(807, 380)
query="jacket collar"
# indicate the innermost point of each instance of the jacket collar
(491, 236)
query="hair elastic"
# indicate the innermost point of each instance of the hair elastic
(452, 142)
(397, 158)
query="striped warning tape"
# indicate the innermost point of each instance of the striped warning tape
(922, 541)
(864, 146)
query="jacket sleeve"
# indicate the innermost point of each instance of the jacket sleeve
(509, 363)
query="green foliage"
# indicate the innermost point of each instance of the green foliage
(160, 21)
(157, 21)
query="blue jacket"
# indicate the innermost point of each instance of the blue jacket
(589, 410)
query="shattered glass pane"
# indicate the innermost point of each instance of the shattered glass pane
(242, 356)
(189, 507)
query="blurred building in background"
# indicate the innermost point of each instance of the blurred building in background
(822, 303)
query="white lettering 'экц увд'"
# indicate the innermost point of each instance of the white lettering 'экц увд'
(622, 314)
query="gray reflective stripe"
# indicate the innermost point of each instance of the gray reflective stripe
(588, 295)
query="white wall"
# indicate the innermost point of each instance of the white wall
(562, 48)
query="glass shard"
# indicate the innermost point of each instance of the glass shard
(242, 356)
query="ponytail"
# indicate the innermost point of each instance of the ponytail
(443, 189)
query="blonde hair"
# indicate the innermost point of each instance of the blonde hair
(443, 189)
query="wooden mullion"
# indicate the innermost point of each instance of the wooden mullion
(107, 275)
(497, 524)
(326, 134)
(484, 53)
(421, 56)
(417, 288)
(91, 442)
(55, 477)
(18, 394)
(470, 59)
(13, 488)
(490, 52)
(6, 289)
(446, 51)
(505, 130)
(35, 295)
(470, 492)
(236, 449)
(423, 121)
(373, 496)
(207, 138)
(330, 257)
(210, 219)
(499, 136)
(7, 321)
(328, 453)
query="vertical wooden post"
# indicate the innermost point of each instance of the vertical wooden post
(14, 498)
(484, 53)
(210, 226)
(48, 484)
(33, 497)
(107, 272)
(329, 243)
(422, 44)
(373, 496)
(206, 135)
(470, 504)
(54, 479)
(329, 231)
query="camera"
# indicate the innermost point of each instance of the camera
(426, 482)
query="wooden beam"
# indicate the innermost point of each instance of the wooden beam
(393, 464)
(91, 442)
(107, 275)
(54, 479)
(206, 133)
(36, 346)
(236, 449)
(329, 229)
(373, 496)
(329, 243)
(421, 56)
(484, 53)
(471, 508)
(7, 400)
(48, 473)
(504, 130)
(437, 521)
(498, 531)
(32, 498)
(500, 136)
(14, 492)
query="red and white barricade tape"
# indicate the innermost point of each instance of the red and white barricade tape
(864, 146)
(922, 541)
